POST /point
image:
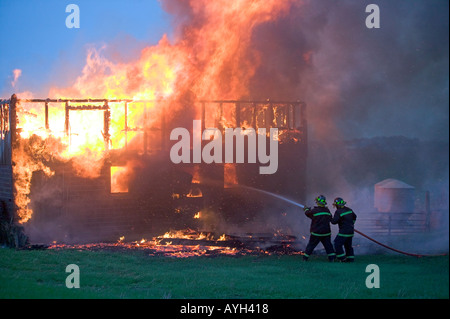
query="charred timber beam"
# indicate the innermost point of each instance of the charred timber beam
(89, 107)
(106, 122)
(47, 126)
(203, 116)
(153, 101)
(81, 100)
(13, 119)
(66, 122)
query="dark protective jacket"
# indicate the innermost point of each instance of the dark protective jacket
(345, 218)
(320, 220)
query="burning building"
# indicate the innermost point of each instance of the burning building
(84, 170)
(92, 161)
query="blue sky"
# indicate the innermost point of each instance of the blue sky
(36, 40)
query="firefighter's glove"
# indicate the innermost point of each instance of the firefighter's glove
(305, 209)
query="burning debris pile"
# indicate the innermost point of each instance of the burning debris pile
(190, 243)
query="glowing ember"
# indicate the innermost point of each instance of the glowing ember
(190, 244)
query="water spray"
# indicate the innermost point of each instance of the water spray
(356, 231)
(273, 195)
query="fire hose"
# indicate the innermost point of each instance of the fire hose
(396, 250)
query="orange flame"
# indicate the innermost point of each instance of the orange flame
(209, 60)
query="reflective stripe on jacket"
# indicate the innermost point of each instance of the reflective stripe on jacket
(345, 218)
(320, 221)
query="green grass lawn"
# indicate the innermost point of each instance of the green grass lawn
(134, 274)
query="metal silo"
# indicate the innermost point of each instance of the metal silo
(394, 196)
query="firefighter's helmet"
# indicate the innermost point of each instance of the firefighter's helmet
(339, 202)
(321, 200)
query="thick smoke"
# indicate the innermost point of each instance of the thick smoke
(360, 82)
(377, 98)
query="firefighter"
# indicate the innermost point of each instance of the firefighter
(320, 228)
(345, 218)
